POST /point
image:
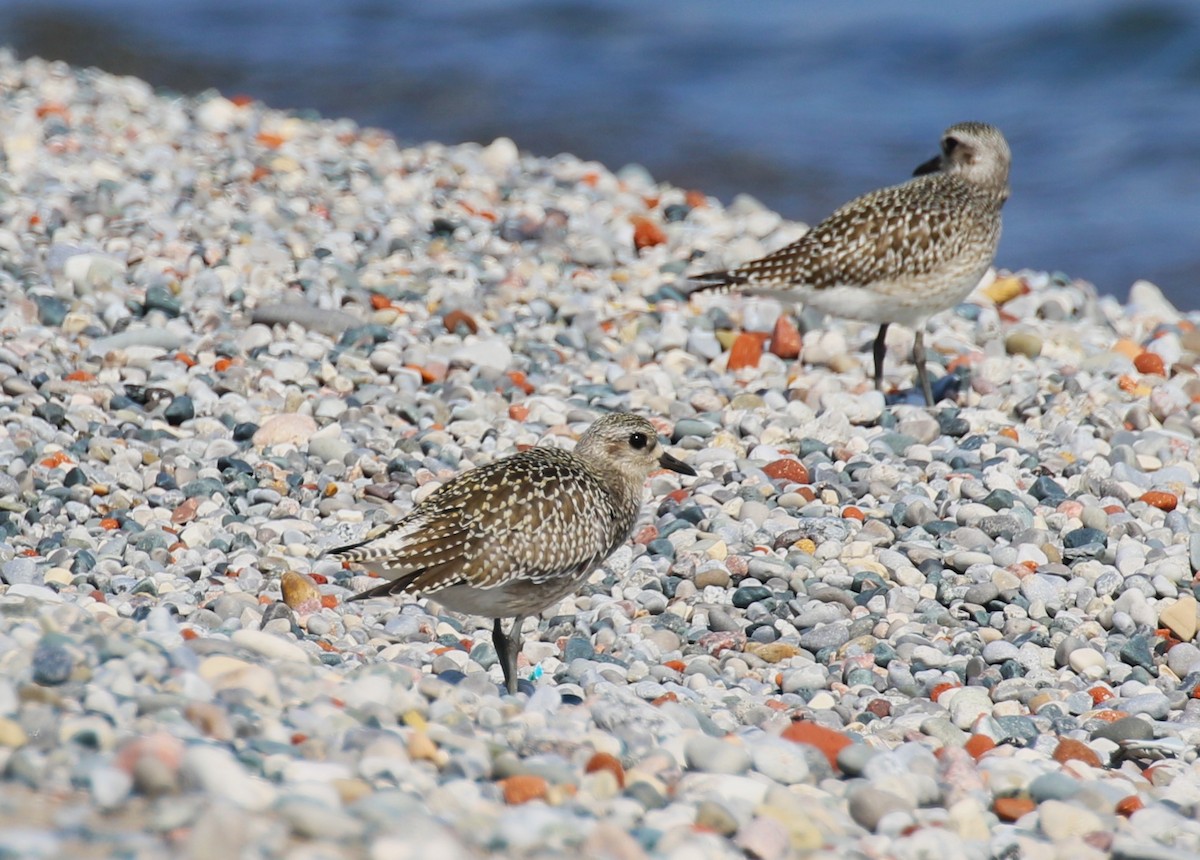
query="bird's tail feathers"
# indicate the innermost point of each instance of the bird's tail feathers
(716, 282)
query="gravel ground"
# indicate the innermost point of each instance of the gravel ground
(232, 337)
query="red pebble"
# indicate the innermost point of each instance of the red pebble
(787, 469)
(1012, 808)
(1150, 363)
(977, 745)
(1073, 750)
(1158, 499)
(746, 351)
(828, 741)
(523, 788)
(456, 318)
(646, 234)
(1129, 805)
(604, 761)
(785, 339)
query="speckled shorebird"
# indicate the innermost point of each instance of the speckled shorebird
(899, 254)
(508, 539)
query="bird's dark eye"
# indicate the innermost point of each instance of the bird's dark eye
(950, 144)
(638, 441)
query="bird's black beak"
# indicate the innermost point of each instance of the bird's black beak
(933, 165)
(669, 462)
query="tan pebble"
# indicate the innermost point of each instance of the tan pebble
(11, 734)
(209, 720)
(1180, 618)
(1004, 290)
(300, 592)
(422, 748)
(283, 429)
(712, 576)
(1127, 348)
(842, 363)
(772, 652)
(351, 790)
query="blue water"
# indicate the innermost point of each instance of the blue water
(803, 106)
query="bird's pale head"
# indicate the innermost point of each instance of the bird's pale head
(629, 444)
(975, 151)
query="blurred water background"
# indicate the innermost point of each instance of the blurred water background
(801, 105)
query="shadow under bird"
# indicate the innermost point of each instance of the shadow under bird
(897, 255)
(509, 539)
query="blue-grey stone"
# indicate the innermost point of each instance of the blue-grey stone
(52, 664)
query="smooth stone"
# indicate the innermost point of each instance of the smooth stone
(781, 760)
(1153, 704)
(1125, 729)
(1054, 786)
(1061, 821)
(269, 645)
(868, 805)
(713, 755)
(1083, 660)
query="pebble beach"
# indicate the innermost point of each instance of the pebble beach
(232, 337)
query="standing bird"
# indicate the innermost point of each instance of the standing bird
(508, 539)
(899, 254)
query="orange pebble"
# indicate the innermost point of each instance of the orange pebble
(610, 763)
(1012, 808)
(977, 745)
(828, 741)
(1126, 806)
(785, 339)
(1149, 362)
(1158, 499)
(646, 234)
(746, 352)
(523, 788)
(457, 318)
(518, 412)
(853, 513)
(520, 381)
(787, 469)
(937, 691)
(1069, 749)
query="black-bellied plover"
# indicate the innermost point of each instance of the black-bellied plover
(508, 539)
(899, 254)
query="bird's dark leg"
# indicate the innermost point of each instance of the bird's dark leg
(919, 359)
(507, 649)
(500, 643)
(879, 351)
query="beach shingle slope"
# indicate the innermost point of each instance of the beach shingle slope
(230, 337)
